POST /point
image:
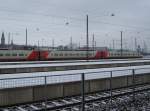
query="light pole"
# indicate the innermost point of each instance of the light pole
(87, 37)
(39, 54)
(42, 42)
(26, 37)
(71, 46)
(93, 42)
(53, 43)
(121, 44)
(113, 44)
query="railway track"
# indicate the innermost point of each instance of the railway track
(135, 98)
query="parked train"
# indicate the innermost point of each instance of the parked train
(32, 55)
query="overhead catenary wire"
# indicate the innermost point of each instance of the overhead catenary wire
(80, 19)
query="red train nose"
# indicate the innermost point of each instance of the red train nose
(101, 54)
(44, 55)
(38, 55)
(33, 55)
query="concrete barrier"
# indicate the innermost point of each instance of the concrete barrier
(49, 92)
(16, 95)
(97, 85)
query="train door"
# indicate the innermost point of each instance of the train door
(104, 54)
(33, 56)
(43, 55)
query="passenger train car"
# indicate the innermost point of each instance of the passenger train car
(33, 55)
(22, 55)
(124, 54)
(53, 55)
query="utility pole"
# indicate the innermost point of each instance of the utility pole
(53, 43)
(42, 42)
(79, 45)
(95, 45)
(93, 42)
(9, 38)
(38, 45)
(113, 44)
(135, 44)
(87, 37)
(26, 37)
(121, 44)
(39, 54)
(71, 43)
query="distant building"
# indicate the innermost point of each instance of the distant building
(3, 40)
(2, 44)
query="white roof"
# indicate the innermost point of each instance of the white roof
(37, 78)
(69, 64)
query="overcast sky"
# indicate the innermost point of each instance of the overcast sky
(61, 19)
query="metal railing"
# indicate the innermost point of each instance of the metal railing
(45, 81)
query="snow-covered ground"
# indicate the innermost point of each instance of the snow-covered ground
(38, 78)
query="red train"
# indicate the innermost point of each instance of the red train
(32, 55)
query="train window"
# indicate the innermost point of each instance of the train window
(61, 54)
(82, 54)
(66, 54)
(90, 54)
(1, 54)
(70, 54)
(56, 54)
(25, 54)
(7, 54)
(14, 54)
(77, 54)
(21, 54)
(51, 54)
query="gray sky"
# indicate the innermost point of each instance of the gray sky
(46, 20)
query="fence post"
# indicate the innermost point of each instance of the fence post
(127, 77)
(110, 89)
(133, 84)
(82, 91)
(45, 92)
